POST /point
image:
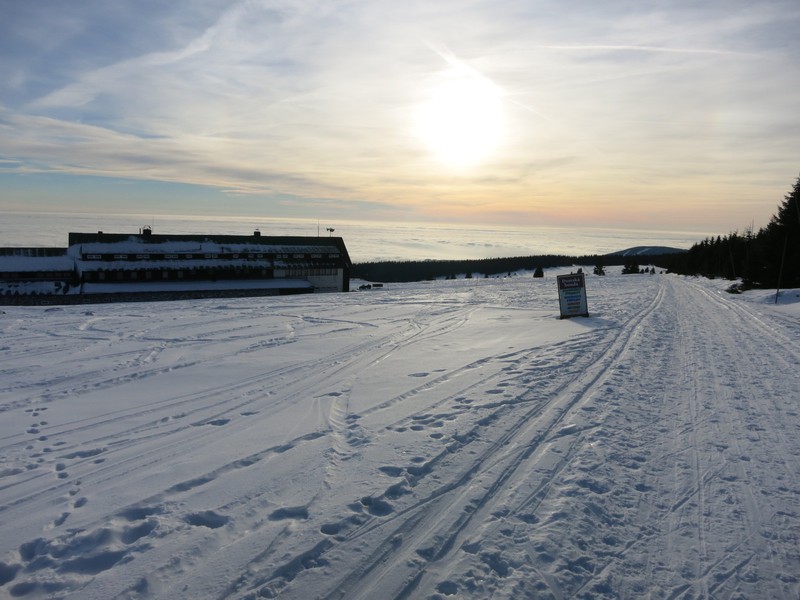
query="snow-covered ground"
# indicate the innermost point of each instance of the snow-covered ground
(435, 440)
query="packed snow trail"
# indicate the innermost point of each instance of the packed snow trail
(643, 474)
(429, 441)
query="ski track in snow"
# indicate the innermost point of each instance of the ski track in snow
(447, 440)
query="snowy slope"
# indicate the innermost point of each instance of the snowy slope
(647, 251)
(439, 440)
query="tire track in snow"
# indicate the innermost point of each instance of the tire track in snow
(464, 513)
(146, 435)
(719, 571)
(730, 390)
(575, 395)
(431, 528)
(780, 331)
(221, 393)
(713, 487)
(429, 322)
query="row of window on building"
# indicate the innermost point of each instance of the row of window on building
(214, 255)
(200, 274)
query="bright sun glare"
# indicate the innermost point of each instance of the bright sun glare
(462, 122)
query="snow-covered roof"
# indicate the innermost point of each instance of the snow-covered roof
(114, 243)
(30, 264)
(134, 246)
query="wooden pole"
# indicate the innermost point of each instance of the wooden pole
(780, 271)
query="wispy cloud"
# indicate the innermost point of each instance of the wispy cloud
(316, 99)
(665, 49)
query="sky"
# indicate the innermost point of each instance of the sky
(678, 115)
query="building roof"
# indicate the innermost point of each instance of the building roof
(121, 243)
(35, 264)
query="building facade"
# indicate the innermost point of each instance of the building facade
(103, 264)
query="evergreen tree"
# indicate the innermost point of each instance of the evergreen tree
(760, 260)
(780, 243)
(630, 268)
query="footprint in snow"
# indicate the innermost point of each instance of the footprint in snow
(77, 552)
(207, 518)
(342, 526)
(291, 512)
(448, 588)
(138, 513)
(392, 471)
(377, 507)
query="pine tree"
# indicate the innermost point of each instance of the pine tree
(630, 268)
(780, 243)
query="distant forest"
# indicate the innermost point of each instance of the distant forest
(764, 259)
(404, 271)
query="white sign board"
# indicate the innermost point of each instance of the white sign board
(572, 296)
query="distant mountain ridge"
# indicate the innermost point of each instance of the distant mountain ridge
(647, 251)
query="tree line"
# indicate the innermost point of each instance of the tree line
(421, 270)
(768, 258)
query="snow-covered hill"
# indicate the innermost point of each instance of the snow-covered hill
(647, 251)
(435, 440)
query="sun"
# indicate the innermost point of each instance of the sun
(462, 121)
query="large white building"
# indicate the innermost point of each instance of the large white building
(109, 266)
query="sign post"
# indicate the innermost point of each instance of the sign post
(572, 295)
